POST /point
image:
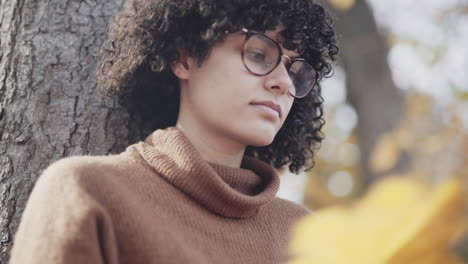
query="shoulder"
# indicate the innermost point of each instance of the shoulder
(284, 214)
(87, 166)
(80, 174)
(291, 208)
(66, 209)
(285, 211)
(77, 187)
(82, 164)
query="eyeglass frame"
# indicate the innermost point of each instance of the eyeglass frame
(249, 33)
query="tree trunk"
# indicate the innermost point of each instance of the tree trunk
(371, 90)
(49, 103)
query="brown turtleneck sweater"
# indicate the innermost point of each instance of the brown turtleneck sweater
(157, 202)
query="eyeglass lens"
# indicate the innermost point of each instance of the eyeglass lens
(261, 56)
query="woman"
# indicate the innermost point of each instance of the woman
(230, 89)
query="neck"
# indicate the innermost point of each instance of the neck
(213, 147)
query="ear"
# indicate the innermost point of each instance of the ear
(182, 67)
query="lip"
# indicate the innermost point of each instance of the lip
(269, 104)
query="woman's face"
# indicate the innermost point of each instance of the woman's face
(224, 99)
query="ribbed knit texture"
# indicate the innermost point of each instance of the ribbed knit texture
(157, 202)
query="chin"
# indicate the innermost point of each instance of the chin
(260, 138)
(261, 143)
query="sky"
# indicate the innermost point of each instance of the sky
(433, 54)
(428, 53)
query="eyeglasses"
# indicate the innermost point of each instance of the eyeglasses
(261, 55)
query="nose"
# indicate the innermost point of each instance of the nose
(278, 80)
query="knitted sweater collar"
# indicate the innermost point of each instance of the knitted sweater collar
(227, 191)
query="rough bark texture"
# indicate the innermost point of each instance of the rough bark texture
(49, 104)
(371, 90)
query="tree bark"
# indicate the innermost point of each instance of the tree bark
(49, 103)
(371, 90)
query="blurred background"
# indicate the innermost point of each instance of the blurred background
(397, 103)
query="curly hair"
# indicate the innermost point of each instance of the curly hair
(145, 37)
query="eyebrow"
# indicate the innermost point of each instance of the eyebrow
(269, 43)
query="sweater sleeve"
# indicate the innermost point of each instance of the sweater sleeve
(63, 223)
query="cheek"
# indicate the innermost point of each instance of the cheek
(287, 109)
(223, 90)
(229, 86)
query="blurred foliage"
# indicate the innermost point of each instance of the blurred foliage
(416, 211)
(430, 143)
(401, 220)
(341, 157)
(433, 139)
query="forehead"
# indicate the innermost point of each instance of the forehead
(276, 34)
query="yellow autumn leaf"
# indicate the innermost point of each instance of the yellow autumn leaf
(386, 153)
(399, 221)
(342, 4)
